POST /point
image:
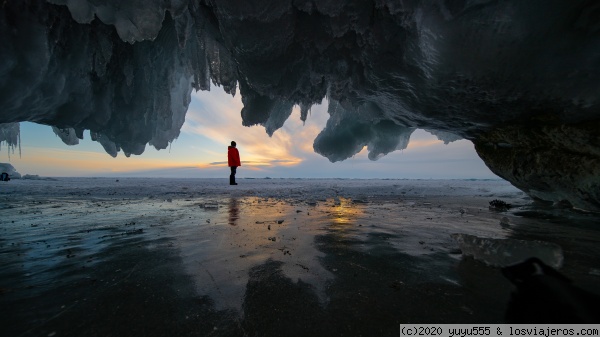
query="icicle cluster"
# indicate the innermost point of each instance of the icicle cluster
(125, 69)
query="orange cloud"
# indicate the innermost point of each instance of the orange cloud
(423, 143)
(219, 119)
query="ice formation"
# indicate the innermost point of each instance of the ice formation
(518, 78)
(8, 168)
(506, 252)
(10, 134)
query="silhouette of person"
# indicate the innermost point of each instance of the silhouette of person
(233, 159)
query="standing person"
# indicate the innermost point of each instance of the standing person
(233, 159)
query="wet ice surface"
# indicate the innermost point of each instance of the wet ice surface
(269, 257)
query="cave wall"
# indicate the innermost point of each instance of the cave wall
(552, 162)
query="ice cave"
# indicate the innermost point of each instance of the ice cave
(517, 78)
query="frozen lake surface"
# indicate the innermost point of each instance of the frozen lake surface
(271, 257)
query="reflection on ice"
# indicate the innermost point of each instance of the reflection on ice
(357, 257)
(233, 211)
(221, 265)
(344, 211)
(505, 252)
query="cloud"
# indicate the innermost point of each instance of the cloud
(421, 143)
(283, 162)
(216, 115)
(289, 152)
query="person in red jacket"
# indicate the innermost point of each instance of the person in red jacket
(233, 159)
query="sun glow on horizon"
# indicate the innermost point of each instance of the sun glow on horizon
(216, 115)
(67, 162)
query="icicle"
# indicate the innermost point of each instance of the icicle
(10, 133)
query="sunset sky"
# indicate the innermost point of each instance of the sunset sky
(212, 122)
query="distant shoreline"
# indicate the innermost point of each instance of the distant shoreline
(36, 177)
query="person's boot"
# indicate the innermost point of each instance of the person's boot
(232, 180)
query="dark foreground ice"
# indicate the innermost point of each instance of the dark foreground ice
(270, 257)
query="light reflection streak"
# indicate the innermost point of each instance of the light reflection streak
(346, 212)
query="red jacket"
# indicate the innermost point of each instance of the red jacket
(233, 156)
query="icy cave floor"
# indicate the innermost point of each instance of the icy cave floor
(269, 257)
